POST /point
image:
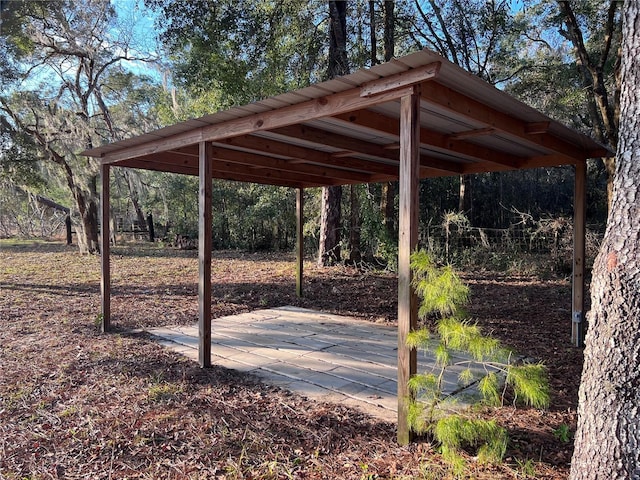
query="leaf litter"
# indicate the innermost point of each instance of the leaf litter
(75, 403)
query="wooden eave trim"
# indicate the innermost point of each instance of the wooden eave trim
(329, 105)
(400, 80)
(537, 127)
(474, 110)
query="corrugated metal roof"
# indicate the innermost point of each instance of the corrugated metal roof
(466, 127)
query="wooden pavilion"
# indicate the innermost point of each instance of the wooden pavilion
(414, 117)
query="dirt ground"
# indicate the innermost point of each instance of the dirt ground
(75, 403)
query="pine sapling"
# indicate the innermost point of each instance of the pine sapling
(486, 364)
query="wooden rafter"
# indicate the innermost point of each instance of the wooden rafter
(310, 155)
(403, 79)
(478, 132)
(429, 166)
(473, 152)
(335, 140)
(470, 108)
(284, 165)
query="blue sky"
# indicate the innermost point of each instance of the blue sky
(140, 19)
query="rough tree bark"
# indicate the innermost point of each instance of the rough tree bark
(607, 442)
(329, 247)
(338, 60)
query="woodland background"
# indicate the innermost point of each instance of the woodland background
(76, 74)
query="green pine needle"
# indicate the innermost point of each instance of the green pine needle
(489, 389)
(419, 339)
(424, 385)
(530, 383)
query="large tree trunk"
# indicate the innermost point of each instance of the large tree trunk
(607, 441)
(88, 238)
(329, 248)
(86, 203)
(88, 234)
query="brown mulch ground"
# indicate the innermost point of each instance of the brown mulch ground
(75, 403)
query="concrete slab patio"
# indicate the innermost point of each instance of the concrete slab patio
(323, 356)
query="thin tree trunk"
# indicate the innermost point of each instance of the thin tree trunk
(329, 247)
(338, 60)
(464, 201)
(602, 106)
(389, 30)
(373, 48)
(387, 208)
(355, 253)
(387, 201)
(607, 442)
(329, 252)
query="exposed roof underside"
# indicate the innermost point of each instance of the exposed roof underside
(346, 131)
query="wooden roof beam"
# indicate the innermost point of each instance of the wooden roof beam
(269, 176)
(439, 164)
(324, 137)
(473, 109)
(235, 173)
(299, 154)
(382, 123)
(326, 175)
(335, 140)
(478, 132)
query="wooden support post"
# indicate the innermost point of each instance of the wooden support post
(579, 220)
(299, 239)
(105, 251)
(204, 254)
(407, 242)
